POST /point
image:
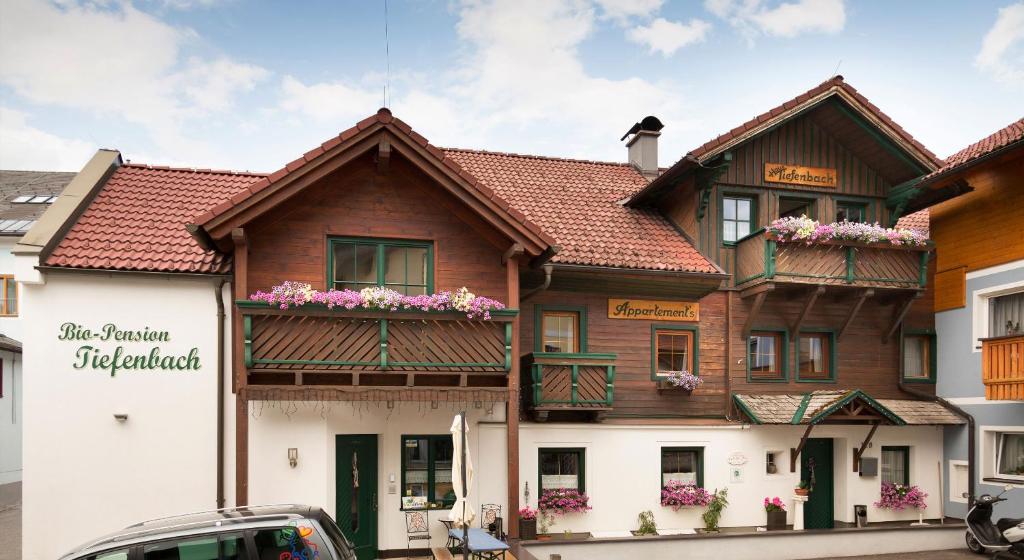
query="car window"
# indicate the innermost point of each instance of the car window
(224, 547)
(295, 542)
(337, 538)
(121, 554)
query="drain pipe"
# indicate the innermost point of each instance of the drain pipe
(547, 282)
(219, 297)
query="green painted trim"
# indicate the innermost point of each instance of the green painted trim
(858, 394)
(746, 410)
(851, 256)
(380, 244)
(800, 410)
(905, 449)
(654, 355)
(581, 477)
(431, 465)
(247, 333)
(508, 346)
(537, 374)
(923, 269)
(592, 355)
(770, 248)
(932, 362)
(729, 193)
(784, 355)
(538, 332)
(750, 278)
(384, 344)
(700, 463)
(831, 356)
(885, 142)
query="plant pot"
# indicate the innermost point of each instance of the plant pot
(802, 491)
(528, 529)
(637, 534)
(544, 537)
(776, 520)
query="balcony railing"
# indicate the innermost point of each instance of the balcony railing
(760, 258)
(313, 345)
(1002, 367)
(560, 381)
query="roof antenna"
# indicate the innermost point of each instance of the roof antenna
(387, 55)
(836, 71)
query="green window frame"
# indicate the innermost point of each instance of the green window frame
(729, 205)
(861, 208)
(435, 446)
(694, 358)
(782, 354)
(829, 355)
(538, 324)
(560, 453)
(698, 453)
(379, 249)
(930, 366)
(898, 457)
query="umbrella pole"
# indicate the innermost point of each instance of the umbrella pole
(465, 491)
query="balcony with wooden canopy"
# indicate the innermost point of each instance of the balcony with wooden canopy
(580, 384)
(1002, 367)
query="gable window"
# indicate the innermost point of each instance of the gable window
(560, 329)
(796, 207)
(403, 266)
(851, 212)
(919, 357)
(682, 464)
(9, 295)
(1006, 315)
(561, 468)
(427, 468)
(896, 464)
(766, 356)
(815, 356)
(737, 218)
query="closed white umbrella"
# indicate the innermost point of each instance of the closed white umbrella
(462, 514)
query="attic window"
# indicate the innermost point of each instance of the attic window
(34, 199)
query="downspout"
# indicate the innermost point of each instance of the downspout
(219, 297)
(547, 282)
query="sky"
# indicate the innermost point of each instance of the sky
(248, 85)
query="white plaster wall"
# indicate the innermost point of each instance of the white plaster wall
(312, 430)
(85, 474)
(11, 418)
(623, 470)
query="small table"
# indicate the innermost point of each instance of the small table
(481, 544)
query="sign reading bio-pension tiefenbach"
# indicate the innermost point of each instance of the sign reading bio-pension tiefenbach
(112, 349)
(653, 310)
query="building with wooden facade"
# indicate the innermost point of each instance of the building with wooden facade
(153, 364)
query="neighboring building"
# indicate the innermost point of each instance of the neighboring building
(24, 196)
(613, 274)
(979, 305)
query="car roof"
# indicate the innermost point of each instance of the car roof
(198, 523)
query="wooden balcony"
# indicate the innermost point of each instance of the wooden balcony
(570, 382)
(760, 259)
(338, 350)
(1002, 367)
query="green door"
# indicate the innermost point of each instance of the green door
(356, 492)
(816, 468)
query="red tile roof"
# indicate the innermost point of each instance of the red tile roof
(917, 220)
(137, 221)
(995, 141)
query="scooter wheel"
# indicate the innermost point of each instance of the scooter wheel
(973, 545)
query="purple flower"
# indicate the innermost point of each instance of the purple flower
(897, 497)
(805, 229)
(676, 494)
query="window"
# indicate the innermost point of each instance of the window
(919, 357)
(771, 462)
(121, 554)
(851, 212)
(1010, 456)
(9, 293)
(737, 218)
(286, 542)
(214, 547)
(815, 356)
(427, 468)
(796, 207)
(560, 331)
(766, 356)
(674, 351)
(1006, 315)
(896, 464)
(403, 266)
(682, 464)
(561, 468)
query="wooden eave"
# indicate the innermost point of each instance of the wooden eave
(639, 282)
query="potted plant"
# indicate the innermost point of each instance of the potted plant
(527, 523)
(681, 380)
(560, 501)
(677, 494)
(803, 489)
(897, 497)
(647, 524)
(714, 510)
(775, 508)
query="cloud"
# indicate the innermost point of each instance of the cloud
(666, 37)
(25, 147)
(1002, 49)
(624, 9)
(788, 19)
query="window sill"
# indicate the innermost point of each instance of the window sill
(919, 380)
(444, 508)
(1016, 482)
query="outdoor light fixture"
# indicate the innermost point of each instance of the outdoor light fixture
(293, 456)
(120, 417)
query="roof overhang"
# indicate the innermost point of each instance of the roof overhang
(854, 407)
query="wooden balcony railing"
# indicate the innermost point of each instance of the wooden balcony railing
(316, 346)
(560, 381)
(1002, 367)
(760, 258)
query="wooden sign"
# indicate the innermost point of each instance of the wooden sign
(799, 175)
(653, 310)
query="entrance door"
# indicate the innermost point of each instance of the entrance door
(356, 492)
(816, 468)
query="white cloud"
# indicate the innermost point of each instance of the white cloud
(328, 100)
(788, 19)
(625, 9)
(1002, 49)
(666, 37)
(25, 147)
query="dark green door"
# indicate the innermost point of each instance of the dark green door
(816, 468)
(356, 492)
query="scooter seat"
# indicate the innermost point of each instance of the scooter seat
(1006, 523)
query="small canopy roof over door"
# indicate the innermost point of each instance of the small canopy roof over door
(841, 407)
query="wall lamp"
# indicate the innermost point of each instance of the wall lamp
(120, 417)
(293, 456)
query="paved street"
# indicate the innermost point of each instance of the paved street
(960, 554)
(10, 521)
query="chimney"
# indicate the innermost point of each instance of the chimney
(643, 145)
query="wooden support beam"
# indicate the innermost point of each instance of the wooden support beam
(897, 320)
(794, 454)
(512, 407)
(755, 309)
(241, 449)
(754, 290)
(383, 154)
(514, 251)
(812, 297)
(858, 453)
(863, 296)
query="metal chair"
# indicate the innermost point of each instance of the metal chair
(490, 519)
(452, 543)
(417, 528)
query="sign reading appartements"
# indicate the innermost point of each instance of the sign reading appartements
(799, 175)
(653, 310)
(125, 352)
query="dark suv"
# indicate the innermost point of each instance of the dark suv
(281, 532)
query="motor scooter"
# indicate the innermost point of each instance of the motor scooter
(1005, 537)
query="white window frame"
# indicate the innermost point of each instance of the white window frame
(990, 447)
(980, 306)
